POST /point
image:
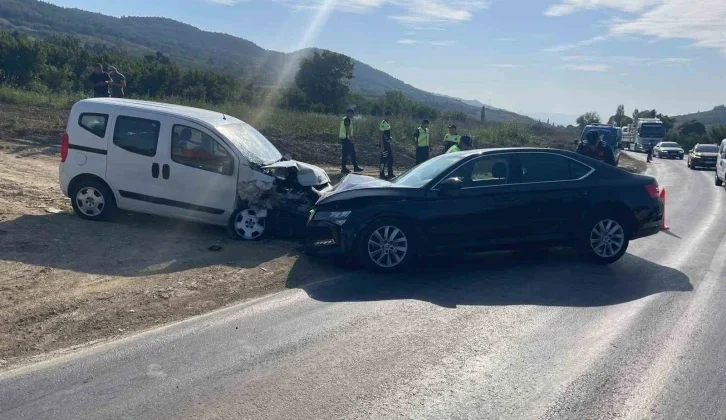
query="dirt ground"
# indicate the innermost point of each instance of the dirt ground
(65, 281)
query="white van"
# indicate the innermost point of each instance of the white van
(179, 162)
(721, 164)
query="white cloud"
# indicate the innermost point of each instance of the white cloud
(408, 41)
(583, 43)
(225, 2)
(700, 21)
(442, 43)
(624, 60)
(601, 68)
(506, 66)
(567, 7)
(504, 39)
(414, 13)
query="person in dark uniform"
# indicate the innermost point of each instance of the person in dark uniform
(345, 135)
(100, 80)
(596, 149)
(385, 146)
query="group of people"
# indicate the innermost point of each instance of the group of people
(453, 142)
(596, 149)
(111, 84)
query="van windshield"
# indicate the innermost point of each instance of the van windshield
(254, 146)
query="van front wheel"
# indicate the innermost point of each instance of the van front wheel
(92, 200)
(248, 224)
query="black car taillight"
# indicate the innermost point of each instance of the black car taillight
(653, 190)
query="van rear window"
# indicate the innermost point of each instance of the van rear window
(94, 123)
(136, 135)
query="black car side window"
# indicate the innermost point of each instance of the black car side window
(484, 172)
(549, 167)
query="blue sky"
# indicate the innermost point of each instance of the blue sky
(529, 56)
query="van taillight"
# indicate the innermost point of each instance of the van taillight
(65, 140)
(653, 190)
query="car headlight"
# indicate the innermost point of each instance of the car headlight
(680, 150)
(337, 217)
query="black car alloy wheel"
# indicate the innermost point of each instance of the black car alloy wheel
(604, 238)
(387, 245)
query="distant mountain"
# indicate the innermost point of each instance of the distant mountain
(716, 116)
(192, 47)
(559, 119)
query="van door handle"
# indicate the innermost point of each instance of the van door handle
(165, 171)
(155, 170)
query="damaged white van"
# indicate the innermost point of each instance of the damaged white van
(181, 162)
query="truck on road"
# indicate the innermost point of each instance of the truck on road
(643, 135)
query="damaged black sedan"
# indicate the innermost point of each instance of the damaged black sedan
(482, 200)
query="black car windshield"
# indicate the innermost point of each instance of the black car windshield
(251, 143)
(422, 174)
(652, 131)
(669, 144)
(707, 148)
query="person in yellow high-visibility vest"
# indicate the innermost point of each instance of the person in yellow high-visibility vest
(345, 135)
(464, 144)
(385, 146)
(423, 145)
(451, 138)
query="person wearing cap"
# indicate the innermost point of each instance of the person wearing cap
(118, 85)
(346, 141)
(451, 138)
(385, 146)
(423, 145)
(100, 80)
(465, 143)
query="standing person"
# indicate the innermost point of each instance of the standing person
(596, 149)
(423, 146)
(100, 80)
(118, 87)
(465, 143)
(385, 146)
(451, 138)
(346, 141)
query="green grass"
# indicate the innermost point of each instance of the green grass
(299, 123)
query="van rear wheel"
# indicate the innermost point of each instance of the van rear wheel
(93, 200)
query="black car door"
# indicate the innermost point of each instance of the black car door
(477, 216)
(556, 188)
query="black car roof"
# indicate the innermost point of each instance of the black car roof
(476, 152)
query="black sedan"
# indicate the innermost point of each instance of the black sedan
(484, 200)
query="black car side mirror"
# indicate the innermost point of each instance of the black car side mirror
(451, 184)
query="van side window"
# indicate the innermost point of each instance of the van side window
(191, 147)
(136, 135)
(94, 123)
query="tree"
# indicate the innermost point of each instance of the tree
(647, 114)
(626, 121)
(325, 78)
(691, 127)
(717, 133)
(617, 119)
(668, 122)
(587, 119)
(635, 114)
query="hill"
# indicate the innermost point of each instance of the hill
(192, 47)
(716, 116)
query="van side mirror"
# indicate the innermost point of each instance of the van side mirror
(451, 184)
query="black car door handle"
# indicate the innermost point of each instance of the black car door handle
(155, 170)
(165, 171)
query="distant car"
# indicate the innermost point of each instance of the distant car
(703, 156)
(486, 200)
(668, 150)
(181, 162)
(610, 135)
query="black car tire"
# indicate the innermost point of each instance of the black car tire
(591, 245)
(680, 157)
(379, 247)
(93, 200)
(719, 182)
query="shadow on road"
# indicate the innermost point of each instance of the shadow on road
(556, 278)
(133, 245)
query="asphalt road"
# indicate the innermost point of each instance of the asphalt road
(501, 336)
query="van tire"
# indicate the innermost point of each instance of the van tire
(93, 200)
(246, 226)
